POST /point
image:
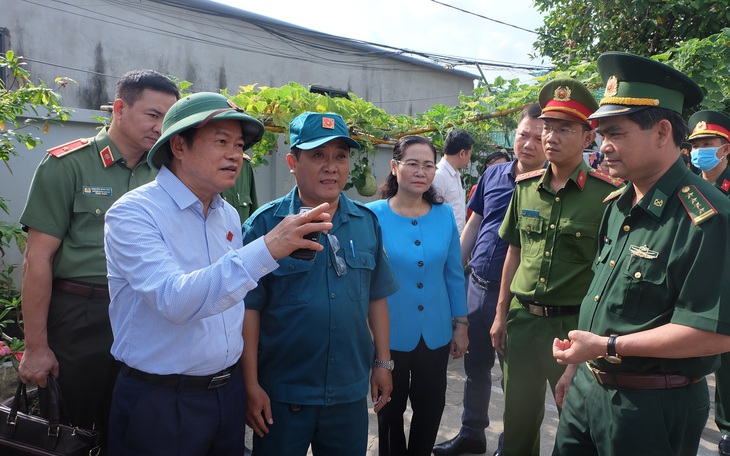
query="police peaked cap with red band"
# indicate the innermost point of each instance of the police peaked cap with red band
(709, 124)
(567, 96)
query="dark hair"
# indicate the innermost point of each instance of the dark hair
(189, 135)
(457, 140)
(532, 111)
(389, 187)
(647, 118)
(132, 83)
(493, 157)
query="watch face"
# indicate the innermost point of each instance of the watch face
(613, 359)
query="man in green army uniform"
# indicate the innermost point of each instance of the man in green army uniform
(710, 136)
(551, 225)
(242, 196)
(657, 312)
(65, 295)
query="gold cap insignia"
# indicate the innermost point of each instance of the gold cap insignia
(562, 93)
(611, 87)
(701, 126)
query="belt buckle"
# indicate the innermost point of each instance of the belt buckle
(536, 310)
(594, 372)
(219, 380)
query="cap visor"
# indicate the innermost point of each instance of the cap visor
(610, 110)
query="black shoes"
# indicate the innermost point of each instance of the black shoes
(460, 445)
(724, 446)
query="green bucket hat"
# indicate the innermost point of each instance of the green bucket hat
(634, 83)
(195, 111)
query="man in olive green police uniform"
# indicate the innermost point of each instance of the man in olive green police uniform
(551, 226)
(710, 139)
(65, 295)
(657, 312)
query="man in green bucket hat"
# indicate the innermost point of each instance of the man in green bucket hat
(656, 314)
(178, 272)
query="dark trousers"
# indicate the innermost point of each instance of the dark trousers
(478, 361)
(80, 335)
(421, 376)
(722, 394)
(331, 430)
(148, 420)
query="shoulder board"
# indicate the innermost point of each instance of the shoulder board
(530, 175)
(696, 205)
(616, 182)
(65, 149)
(614, 194)
(246, 157)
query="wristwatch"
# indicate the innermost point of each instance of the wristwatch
(390, 364)
(611, 355)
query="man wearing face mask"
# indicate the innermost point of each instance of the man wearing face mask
(710, 140)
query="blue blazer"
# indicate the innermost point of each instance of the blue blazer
(425, 255)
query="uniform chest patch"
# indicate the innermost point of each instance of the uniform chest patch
(530, 213)
(97, 191)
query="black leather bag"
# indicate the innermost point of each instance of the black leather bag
(24, 434)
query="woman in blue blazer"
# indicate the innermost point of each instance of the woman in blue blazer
(428, 312)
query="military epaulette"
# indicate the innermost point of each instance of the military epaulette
(614, 194)
(246, 157)
(696, 205)
(65, 149)
(530, 175)
(616, 182)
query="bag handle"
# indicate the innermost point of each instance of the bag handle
(20, 403)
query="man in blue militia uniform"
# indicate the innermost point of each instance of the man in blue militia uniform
(308, 347)
(710, 139)
(485, 251)
(657, 312)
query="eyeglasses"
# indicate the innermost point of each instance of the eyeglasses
(337, 262)
(414, 166)
(558, 130)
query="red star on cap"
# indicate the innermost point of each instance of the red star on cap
(328, 122)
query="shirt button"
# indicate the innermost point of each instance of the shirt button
(542, 279)
(552, 226)
(291, 267)
(332, 360)
(578, 234)
(265, 269)
(596, 298)
(637, 275)
(420, 264)
(418, 242)
(612, 263)
(334, 328)
(557, 199)
(627, 228)
(333, 295)
(419, 285)
(547, 254)
(420, 307)
(97, 212)
(414, 222)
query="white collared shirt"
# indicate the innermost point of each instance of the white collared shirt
(447, 184)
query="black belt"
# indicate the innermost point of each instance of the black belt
(641, 381)
(82, 289)
(183, 381)
(541, 310)
(486, 285)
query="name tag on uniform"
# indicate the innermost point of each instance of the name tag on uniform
(530, 213)
(97, 191)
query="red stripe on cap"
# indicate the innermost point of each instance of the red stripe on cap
(571, 107)
(720, 129)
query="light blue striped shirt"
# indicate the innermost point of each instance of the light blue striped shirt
(177, 280)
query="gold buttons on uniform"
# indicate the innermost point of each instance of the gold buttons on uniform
(627, 228)
(612, 263)
(637, 275)
(578, 234)
(97, 212)
(542, 279)
(597, 298)
(552, 226)
(547, 254)
(557, 199)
